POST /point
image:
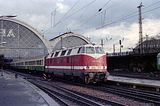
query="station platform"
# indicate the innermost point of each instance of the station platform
(136, 81)
(20, 92)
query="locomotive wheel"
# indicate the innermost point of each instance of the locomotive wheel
(48, 76)
(86, 79)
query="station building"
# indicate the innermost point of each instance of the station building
(19, 40)
(67, 40)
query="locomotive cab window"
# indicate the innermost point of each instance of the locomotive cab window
(81, 50)
(90, 50)
(99, 50)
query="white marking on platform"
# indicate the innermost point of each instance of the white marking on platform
(144, 82)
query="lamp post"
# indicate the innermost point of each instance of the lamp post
(53, 17)
(114, 49)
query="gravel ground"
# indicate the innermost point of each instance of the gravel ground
(103, 95)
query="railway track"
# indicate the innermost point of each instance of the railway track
(67, 97)
(140, 95)
(145, 96)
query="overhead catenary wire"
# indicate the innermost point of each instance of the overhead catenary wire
(80, 9)
(121, 19)
(63, 16)
(130, 16)
(97, 13)
(100, 9)
(68, 11)
(126, 17)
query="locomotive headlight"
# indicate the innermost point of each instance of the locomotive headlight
(104, 67)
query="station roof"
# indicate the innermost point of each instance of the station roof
(37, 33)
(68, 39)
(21, 40)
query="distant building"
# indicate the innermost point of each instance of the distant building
(149, 46)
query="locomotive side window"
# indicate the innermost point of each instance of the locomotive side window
(56, 54)
(81, 50)
(90, 50)
(69, 51)
(52, 54)
(99, 50)
(63, 53)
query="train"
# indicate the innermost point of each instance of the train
(137, 63)
(87, 63)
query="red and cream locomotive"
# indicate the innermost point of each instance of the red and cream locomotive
(87, 63)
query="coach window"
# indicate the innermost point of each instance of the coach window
(39, 62)
(69, 51)
(63, 53)
(56, 54)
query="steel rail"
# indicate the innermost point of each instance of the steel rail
(67, 94)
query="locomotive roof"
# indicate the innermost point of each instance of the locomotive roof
(87, 45)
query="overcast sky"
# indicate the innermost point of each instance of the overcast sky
(117, 19)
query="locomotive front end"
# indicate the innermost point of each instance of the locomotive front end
(95, 63)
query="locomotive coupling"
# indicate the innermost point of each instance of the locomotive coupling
(91, 75)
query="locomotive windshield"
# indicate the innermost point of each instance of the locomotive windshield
(99, 50)
(81, 50)
(91, 50)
